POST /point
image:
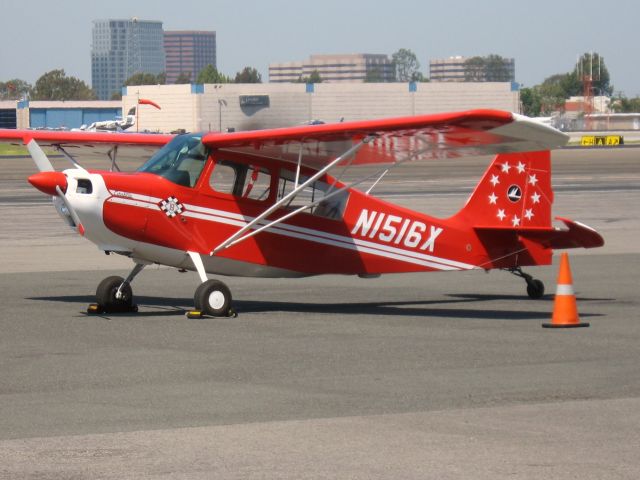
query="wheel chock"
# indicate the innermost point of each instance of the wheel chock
(195, 315)
(94, 309)
(97, 309)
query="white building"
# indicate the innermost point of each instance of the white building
(271, 105)
(354, 67)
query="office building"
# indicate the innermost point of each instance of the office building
(455, 69)
(356, 67)
(188, 52)
(122, 48)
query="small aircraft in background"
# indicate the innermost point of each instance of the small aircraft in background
(118, 124)
(272, 203)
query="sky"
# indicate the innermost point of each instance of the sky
(545, 37)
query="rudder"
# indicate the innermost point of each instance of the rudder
(514, 192)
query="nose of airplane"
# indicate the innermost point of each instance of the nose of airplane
(46, 182)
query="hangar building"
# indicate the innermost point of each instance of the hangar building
(270, 105)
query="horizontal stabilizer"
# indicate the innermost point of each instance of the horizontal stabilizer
(576, 235)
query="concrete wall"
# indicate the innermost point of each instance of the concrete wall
(217, 107)
(179, 107)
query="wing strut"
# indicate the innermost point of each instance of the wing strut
(237, 238)
(113, 154)
(377, 180)
(70, 158)
(289, 196)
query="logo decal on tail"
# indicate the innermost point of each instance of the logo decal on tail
(514, 193)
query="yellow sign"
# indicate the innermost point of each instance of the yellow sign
(601, 140)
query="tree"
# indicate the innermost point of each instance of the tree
(552, 93)
(14, 89)
(374, 75)
(592, 64)
(474, 69)
(622, 104)
(492, 68)
(498, 69)
(313, 78)
(531, 101)
(419, 77)
(146, 79)
(406, 65)
(55, 85)
(248, 75)
(210, 74)
(183, 78)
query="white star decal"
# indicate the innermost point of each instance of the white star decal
(528, 213)
(533, 180)
(492, 198)
(535, 198)
(515, 221)
(501, 214)
(520, 167)
(494, 180)
(506, 167)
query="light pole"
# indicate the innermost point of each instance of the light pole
(221, 103)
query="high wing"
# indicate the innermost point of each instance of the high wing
(91, 145)
(447, 135)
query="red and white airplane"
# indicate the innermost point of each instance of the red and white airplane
(263, 203)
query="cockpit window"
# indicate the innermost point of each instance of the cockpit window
(241, 180)
(180, 161)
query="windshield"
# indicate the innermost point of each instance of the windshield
(180, 161)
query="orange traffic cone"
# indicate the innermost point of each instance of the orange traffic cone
(565, 310)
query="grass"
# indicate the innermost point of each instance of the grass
(8, 150)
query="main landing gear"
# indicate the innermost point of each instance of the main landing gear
(535, 287)
(212, 298)
(115, 295)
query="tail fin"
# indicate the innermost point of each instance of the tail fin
(514, 192)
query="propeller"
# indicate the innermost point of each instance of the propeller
(53, 183)
(39, 157)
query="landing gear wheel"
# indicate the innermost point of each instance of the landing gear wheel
(535, 289)
(213, 298)
(109, 301)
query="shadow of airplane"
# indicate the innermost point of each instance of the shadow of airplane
(443, 308)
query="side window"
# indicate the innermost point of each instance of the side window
(333, 207)
(223, 178)
(246, 181)
(257, 183)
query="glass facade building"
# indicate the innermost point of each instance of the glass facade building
(122, 48)
(188, 52)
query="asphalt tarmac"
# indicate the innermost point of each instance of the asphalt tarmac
(445, 375)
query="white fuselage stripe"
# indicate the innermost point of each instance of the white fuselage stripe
(134, 203)
(294, 231)
(323, 240)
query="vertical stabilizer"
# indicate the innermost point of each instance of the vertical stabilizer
(514, 192)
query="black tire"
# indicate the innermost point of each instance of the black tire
(213, 298)
(197, 302)
(535, 289)
(106, 295)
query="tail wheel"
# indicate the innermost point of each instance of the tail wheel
(535, 289)
(107, 298)
(213, 298)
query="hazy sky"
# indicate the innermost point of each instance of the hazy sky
(545, 37)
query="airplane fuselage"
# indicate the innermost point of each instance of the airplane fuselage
(155, 220)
